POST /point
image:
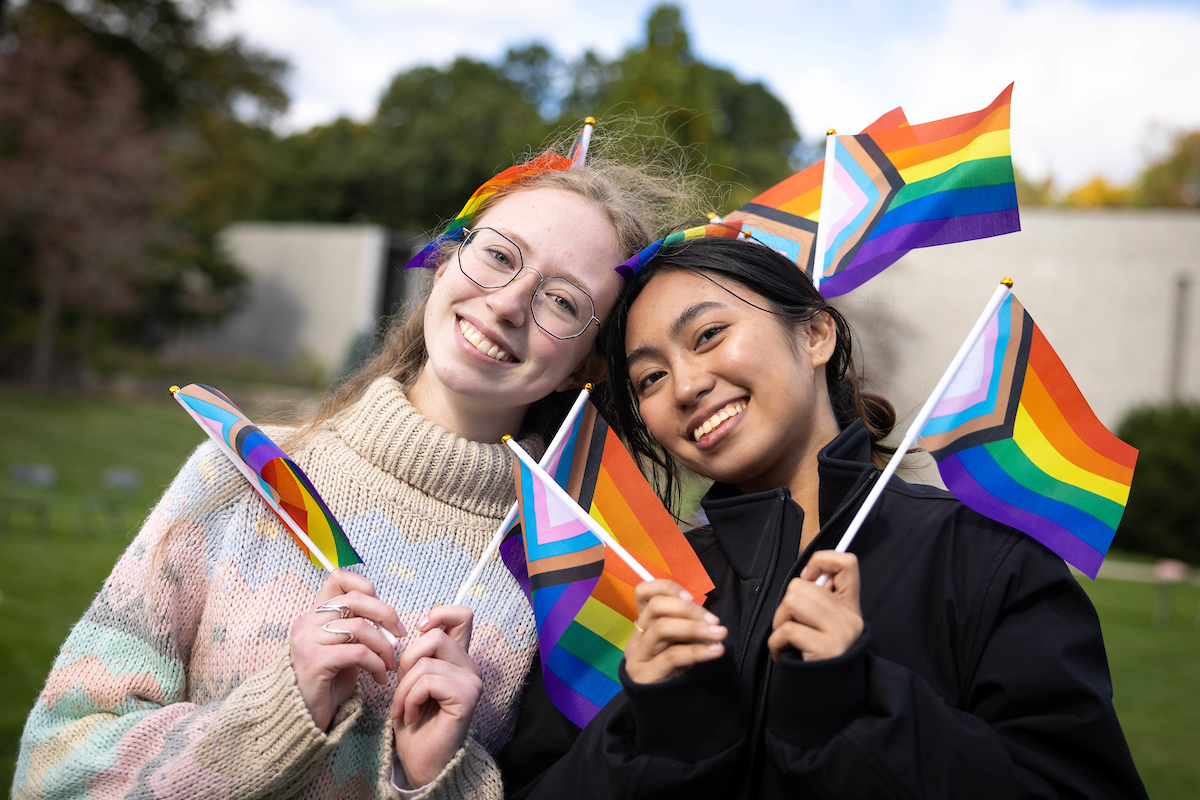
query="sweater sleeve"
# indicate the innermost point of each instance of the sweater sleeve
(113, 719)
(1035, 719)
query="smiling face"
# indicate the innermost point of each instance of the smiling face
(730, 392)
(487, 358)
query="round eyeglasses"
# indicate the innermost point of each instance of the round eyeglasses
(492, 260)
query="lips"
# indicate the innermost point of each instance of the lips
(712, 423)
(482, 343)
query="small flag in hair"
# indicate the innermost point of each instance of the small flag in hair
(282, 484)
(1015, 440)
(582, 594)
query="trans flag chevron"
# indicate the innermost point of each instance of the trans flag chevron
(951, 180)
(275, 476)
(1015, 440)
(582, 595)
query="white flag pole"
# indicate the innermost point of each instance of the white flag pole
(823, 218)
(914, 430)
(249, 475)
(498, 536)
(592, 525)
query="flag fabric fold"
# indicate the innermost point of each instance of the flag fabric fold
(284, 486)
(581, 593)
(1015, 440)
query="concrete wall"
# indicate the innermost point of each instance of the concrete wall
(315, 290)
(1101, 285)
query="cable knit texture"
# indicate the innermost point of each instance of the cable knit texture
(177, 682)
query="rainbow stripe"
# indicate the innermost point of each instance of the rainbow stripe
(1015, 440)
(785, 216)
(722, 230)
(276, 476)
(546, 162)
(956, 184)
(582, 595)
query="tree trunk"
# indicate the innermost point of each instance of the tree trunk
(43, 348)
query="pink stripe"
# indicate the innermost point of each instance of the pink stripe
(546, 531)
(850, 189)
(952, 405)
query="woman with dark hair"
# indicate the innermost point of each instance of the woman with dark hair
(947, 656)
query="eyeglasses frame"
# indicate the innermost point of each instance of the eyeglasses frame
(469, 232)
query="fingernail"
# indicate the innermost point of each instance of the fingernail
(711, 618)
(715, 647)
(716, 630)
(685, 595)
(422, 622)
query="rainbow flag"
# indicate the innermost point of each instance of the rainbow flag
(276, 477)
(785, 216)
(547, 162)
(582, 595)
(1015, 440)
(894, 190)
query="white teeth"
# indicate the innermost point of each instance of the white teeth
(731, 410)
(481, 342)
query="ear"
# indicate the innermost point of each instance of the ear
(592, 369)
(818, 338)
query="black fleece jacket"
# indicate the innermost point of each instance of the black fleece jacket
(981, 672)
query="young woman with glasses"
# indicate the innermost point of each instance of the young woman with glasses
(217, 661)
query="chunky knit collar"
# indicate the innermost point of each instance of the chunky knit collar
(386, 430)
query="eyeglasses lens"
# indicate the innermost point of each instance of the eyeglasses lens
(492, 260)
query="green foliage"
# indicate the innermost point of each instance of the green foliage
(123, 154)
(441, 132)
(1174, 179)
(1163, 514)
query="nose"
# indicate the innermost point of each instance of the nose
(692, 381)
(511, 302)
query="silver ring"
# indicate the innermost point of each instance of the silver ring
(348, 634)
(337, 608)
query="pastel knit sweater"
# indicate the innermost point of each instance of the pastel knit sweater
(177, 682)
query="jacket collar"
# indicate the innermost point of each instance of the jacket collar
(745, 524)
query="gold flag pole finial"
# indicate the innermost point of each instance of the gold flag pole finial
(587, 387)
(174, 390)
(505, 439)
(1007, 282)
(831, 132)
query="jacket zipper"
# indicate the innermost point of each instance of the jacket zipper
(761, 705)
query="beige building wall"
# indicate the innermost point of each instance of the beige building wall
(1102, 286)
(315, 289)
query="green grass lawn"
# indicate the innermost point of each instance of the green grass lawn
(49, 579)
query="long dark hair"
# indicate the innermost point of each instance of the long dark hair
(793, 300)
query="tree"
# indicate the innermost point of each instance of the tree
(136, 118)
(1031, 193)
(1174, 179)
(1163, 514)
(78, 173)
(1098, 193)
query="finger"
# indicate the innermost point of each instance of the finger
(672, 661)
(460, 686)
(437, 644)
(669, 606)
(343, 581)
(656, 588)
(369, 607)
(333, 659)
(842, 569)
(455, 697)
(813, 605)
(456, 621)
(667, 632)
(362, 631)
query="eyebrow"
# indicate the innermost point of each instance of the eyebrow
(681, 322)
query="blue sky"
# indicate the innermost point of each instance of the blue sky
(1099, 84)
